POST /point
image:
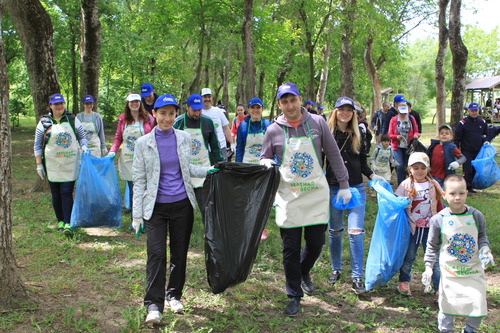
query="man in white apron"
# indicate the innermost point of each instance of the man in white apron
(457, 235)
(205, 150)
(297, 140)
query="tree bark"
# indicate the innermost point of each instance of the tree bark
(439, 65)
(194, 88)
(459, 61)
(12, 292)
(323, 79)
(373, 75)
(90, 49)
(346, 67)
(35, 31)
(225, 88)
(248, 49)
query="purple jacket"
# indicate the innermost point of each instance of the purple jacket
(324, 142)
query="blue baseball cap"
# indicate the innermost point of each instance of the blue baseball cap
(194, 101)
(473, 106)
(56, 98)
(309, 102)
(287, 88)
(87, 99)
(344, 101)
(146, 89)
(165, 100)
(255, 101)
(320, 108)
(399, 99)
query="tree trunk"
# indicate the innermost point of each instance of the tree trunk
(90, 49)
(194, 88)
(439, 65)
(35, 31)
(459, 61)
(323, 80)
(262, 78)
(248, 48)
(206, 69)
(346, 67)
(12, 292)
(373, 75)
(225, 88)
(74, 74)
(240, 91)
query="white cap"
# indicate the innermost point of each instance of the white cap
(206, 91)
(419, 158)
(133, 97)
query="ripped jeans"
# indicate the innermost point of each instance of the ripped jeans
(355, 224)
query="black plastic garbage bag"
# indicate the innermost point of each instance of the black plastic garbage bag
(415, 146)
(238, 199)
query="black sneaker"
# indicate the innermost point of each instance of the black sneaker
(307, 285)
(358, 286)
(292, 308)
(334, 277)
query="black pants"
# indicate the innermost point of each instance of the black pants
(469, 171)
(198, 192)
(297, 263)
(177, 219)
(62, 199)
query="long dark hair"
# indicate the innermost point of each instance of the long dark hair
(143, 114)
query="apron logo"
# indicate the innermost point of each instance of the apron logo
(462, 247)
(468, 222)
(255, 150)
(301, 164)
(63, 139)
(451, 223)
(88, 134)
(131, 142)
(195, 147)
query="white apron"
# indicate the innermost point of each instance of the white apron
(382, 163)
(130, 134)
(94, 142)
(253, 146)
(62, 154)
(462, 288)
(303, 196)
(199, 152)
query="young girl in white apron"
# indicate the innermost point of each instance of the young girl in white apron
(93, 126)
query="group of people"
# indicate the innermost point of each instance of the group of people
(165, 158)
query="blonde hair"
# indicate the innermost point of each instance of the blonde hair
(352, 129)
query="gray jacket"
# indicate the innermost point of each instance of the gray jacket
(146, 172)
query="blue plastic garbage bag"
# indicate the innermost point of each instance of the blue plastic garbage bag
(487, 171)
(126, 197)
(354, 202)
(238, 199)
(97, 199)
(390, 237)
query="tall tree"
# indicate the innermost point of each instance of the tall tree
(12, 292)
(248, 50)
(35, 31)
(459, 55)
(439, 65)
(90, 49)
(323, 79)
(372, 70)
(346, 67)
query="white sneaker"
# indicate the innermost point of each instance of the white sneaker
(153, 317)
(175, 305)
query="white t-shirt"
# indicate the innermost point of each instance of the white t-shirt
(219, 119)
(421, 211)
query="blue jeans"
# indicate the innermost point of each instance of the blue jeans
(411, 254)
(402, 159)
(355, 220)
(440, 181)
(62, 199)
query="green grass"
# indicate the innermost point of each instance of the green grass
(94, 282)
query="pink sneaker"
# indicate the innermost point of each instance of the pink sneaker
(264, 234)
(404, 288)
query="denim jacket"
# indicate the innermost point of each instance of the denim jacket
(146, 172)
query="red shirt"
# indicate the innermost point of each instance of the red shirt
(438, 169)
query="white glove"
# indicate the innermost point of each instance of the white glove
(486, 257)
(85, 150)
(375, 128)
(40, 171)
(486, 143)
(111, 154)
(377, 177)
(426, 279)
(345, 195)
(267, 162)
(453, 165)
(104, 151)
(136, 224)
(233, 147)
